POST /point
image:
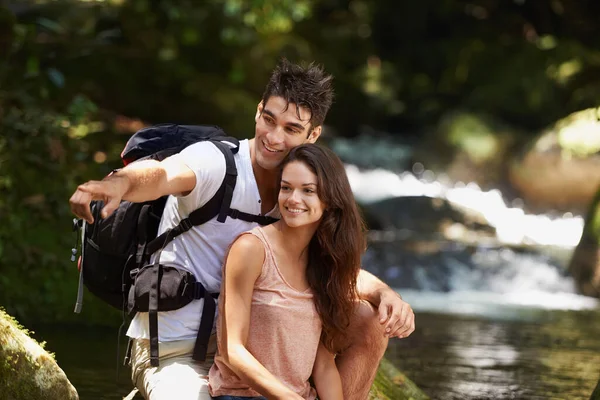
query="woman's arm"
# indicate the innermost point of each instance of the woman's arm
(326, 376)
(242, 269)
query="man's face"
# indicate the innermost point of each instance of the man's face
(279, 130)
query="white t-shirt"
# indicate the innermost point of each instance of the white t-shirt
(201, 250)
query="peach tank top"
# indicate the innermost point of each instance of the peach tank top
(284, 333)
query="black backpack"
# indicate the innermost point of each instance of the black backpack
(115, 251)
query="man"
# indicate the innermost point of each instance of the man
(291, 112)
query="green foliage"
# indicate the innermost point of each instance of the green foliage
(40, 163)
(267, 16)
(579, 133)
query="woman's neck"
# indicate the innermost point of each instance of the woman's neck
(294, 240)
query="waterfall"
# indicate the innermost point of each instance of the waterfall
(481, 280)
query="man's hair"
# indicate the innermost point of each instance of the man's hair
(309, 87)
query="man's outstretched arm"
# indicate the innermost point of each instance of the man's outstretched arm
(140, 181)
(395, 313)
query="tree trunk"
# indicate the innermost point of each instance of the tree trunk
(585, 263)
(596, 394)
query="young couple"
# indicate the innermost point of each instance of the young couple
(294, 302)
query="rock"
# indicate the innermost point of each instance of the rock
(27, 371)
(585, 263)
(391, 384)
(560, 169)
(427, 217)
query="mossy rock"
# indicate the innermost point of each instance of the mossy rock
(27, 371)
(391, 384)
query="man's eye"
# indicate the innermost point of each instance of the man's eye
(269, 120)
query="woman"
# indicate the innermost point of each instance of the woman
(290, 287)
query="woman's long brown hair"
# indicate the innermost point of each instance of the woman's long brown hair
(334, 252)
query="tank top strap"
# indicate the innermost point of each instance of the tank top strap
(269, 266)
(260, 234)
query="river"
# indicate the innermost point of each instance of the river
(520, 353)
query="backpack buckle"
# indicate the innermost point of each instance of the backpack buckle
(234, 213)
(77, 223)
(186, 224)
(133, 273)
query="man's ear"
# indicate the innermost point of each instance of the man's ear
(259, 109)
(314, 134)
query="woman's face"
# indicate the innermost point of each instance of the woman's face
(298, 200)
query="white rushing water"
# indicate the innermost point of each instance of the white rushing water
(528, 282)
(513, 225)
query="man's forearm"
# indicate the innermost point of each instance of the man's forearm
(151, 179)
(370, 287)
(141, 181)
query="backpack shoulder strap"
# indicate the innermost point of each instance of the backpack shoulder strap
(227, 186)
(217, 205)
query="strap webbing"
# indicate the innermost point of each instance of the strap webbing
(260, 219)
(142, 235)
(206, 324)
(154, 295)
(228, 182)
(79, 302)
